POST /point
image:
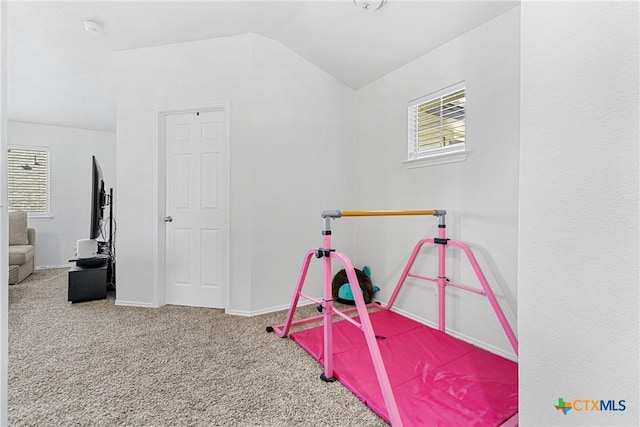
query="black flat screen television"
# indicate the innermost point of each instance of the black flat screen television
(98, 199)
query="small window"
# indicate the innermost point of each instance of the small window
(28, 180)
(437, 130)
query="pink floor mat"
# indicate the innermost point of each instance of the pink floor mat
(437, 380)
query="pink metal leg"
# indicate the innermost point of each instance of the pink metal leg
(283, 330)
(327, 311)
(405, 272)
(372, 343)
(442, 280)
(487, 289)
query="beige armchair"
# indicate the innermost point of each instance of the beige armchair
(22, 247)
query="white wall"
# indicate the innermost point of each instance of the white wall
(302, 163)
(578, 256)
(4, 240)
(70, 152)
(291, 128)
(480, 194)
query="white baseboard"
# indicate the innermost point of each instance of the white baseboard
(239, 313)
(265, 310)
(51, 267)
(134, 304)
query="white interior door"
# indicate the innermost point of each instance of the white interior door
(196, 223)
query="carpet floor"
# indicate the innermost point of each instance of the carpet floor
(98, 364)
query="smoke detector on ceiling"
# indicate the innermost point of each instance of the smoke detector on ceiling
(92, 27)
(369, 5)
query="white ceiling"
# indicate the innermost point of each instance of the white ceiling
(59, 74)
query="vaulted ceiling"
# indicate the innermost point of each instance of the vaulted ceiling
(62, 75)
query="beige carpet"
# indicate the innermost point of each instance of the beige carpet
(97, 364)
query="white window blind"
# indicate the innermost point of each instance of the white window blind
(28, 180)
(437, 123)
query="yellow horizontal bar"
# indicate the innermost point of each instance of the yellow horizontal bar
(388, 213)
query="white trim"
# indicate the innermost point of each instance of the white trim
(53, 267)
(239, 313)
(32, 217)
(227, 265)
(159, 200)
(134, 304)
(436, 157)
(438, 93)
(245, 313)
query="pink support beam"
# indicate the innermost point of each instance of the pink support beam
(372, 343)
(283, 331)
(327, 310)
(407, 268)
(487, 289)
(442, 279)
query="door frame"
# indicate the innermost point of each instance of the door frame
(159, 195)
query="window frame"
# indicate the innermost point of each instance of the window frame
(44, 149)
(439, 155)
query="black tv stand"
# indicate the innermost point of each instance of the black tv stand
(97, 261)
(87, 283)
(91, 279)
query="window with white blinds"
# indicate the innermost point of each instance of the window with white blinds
(28, 180)
(437, 126)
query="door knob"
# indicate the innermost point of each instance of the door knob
(168, 218)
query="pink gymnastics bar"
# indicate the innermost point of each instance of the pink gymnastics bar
(364, 324)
